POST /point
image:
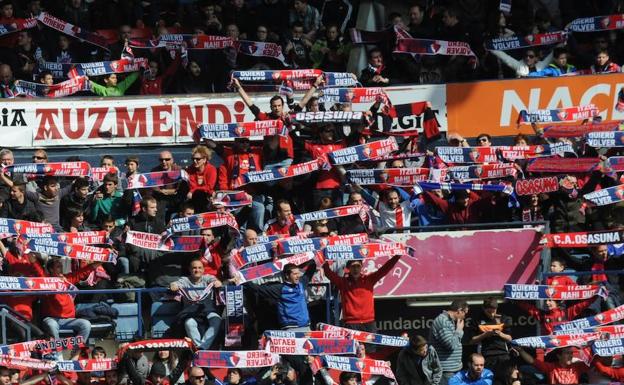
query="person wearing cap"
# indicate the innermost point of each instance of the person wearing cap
(158, 372)
(356, 291)
(491, 332)
(418, 363)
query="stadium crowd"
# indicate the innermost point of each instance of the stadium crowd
(312, 35)
(309, 34)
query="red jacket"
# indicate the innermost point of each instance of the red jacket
(234, 166)
(204, 181)
(62, 305)
(459, 215)
(358, 304)
(550, 319)
(273, 227)
(22, 267)
(557, 374)
(285, 142)
(212, 266)
(326, 179)
(614, 373)
(155, 86)
(560, 280)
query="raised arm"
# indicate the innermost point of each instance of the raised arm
(319, 81)
(385, 268)
(242, 93)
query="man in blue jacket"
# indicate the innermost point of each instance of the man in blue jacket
(476, 374)
(292, 308)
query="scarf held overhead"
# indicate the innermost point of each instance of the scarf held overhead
(560, 293)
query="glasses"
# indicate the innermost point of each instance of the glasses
(39, 157)
(197, 159)
(164, 159)
(483, 139)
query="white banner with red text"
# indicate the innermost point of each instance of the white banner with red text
(158, 120)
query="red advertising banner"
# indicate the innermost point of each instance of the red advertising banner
(459, 262)
(506, 98)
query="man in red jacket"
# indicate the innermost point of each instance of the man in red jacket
(58, 310)
(356, 291)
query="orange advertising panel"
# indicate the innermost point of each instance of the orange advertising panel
(493, 106)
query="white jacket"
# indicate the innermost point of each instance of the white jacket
(519, 65)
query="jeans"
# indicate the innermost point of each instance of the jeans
(123, 266)
(192, 331)
(81, 327)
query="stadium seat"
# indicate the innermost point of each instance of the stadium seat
(127, 326)
(98, 330)
(163, 315)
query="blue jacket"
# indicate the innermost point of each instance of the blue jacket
(553, 70)
(292, 307)
(461, 378)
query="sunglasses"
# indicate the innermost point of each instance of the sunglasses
(39, 157)
(483, 139)
(197, 159)
(164, 159)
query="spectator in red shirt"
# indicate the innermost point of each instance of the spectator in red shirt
(155, 84)
(202, 177)
(614, 373)
(328, 182)
(558, 265)
(563, 371)
(356, 292)
(212, 256)
(284, 221)
(554, 315)
(603, 63)
(238, 160)
(278, 150)
(467, 207)
(58, 310)
(20, 265)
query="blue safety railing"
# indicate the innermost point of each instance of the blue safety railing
(139, 293)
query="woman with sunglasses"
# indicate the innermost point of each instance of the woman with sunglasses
(202, 176)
